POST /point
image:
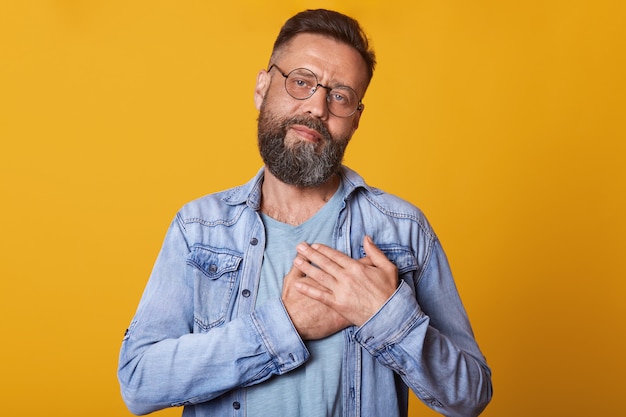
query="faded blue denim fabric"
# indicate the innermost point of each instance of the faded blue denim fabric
(197, 340)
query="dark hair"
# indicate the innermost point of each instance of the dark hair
(332, 24)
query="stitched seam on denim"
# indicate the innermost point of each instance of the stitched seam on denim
(222, 222)
(416, 218)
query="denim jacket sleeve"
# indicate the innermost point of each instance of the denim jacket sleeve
(164, 363)
(424, 335)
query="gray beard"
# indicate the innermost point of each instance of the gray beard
(300, 165)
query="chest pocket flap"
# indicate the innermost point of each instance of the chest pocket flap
(401, 256)
(214, 262)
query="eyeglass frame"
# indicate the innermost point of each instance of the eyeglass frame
(359, 106)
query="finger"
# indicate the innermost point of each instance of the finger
(302, 265)
(326, 258)
(312, 271)
(313, 290)
(377, 258)
(295, 272)
(374, 255)
(336, 256)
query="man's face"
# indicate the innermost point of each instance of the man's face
(300, 141)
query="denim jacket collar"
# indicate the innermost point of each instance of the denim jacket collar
(250, 193)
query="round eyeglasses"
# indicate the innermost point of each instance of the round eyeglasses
(302, 83)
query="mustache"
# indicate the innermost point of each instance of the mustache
(309, 122)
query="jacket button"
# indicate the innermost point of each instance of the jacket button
(254, 241)
(246, 293)
(236, 405)
(213, 268)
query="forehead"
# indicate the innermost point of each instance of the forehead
(334, 62)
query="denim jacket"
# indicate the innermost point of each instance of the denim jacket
(198, 341)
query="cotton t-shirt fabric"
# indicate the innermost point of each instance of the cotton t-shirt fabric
(314, 389)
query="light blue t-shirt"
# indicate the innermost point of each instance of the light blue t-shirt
(314, 389)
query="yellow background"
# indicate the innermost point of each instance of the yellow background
(504, 121)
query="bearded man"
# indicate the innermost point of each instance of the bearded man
(304, 292)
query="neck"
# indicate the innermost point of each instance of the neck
(291, 204)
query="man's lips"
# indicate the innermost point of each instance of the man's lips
(307, 133)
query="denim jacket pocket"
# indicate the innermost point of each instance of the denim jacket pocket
(215, 274)
(401, 257)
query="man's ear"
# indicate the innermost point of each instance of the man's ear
(262, 85)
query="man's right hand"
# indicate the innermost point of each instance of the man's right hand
(312, 319)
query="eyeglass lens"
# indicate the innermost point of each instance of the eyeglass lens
(302, 83)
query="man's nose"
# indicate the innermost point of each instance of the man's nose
(317, 104)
